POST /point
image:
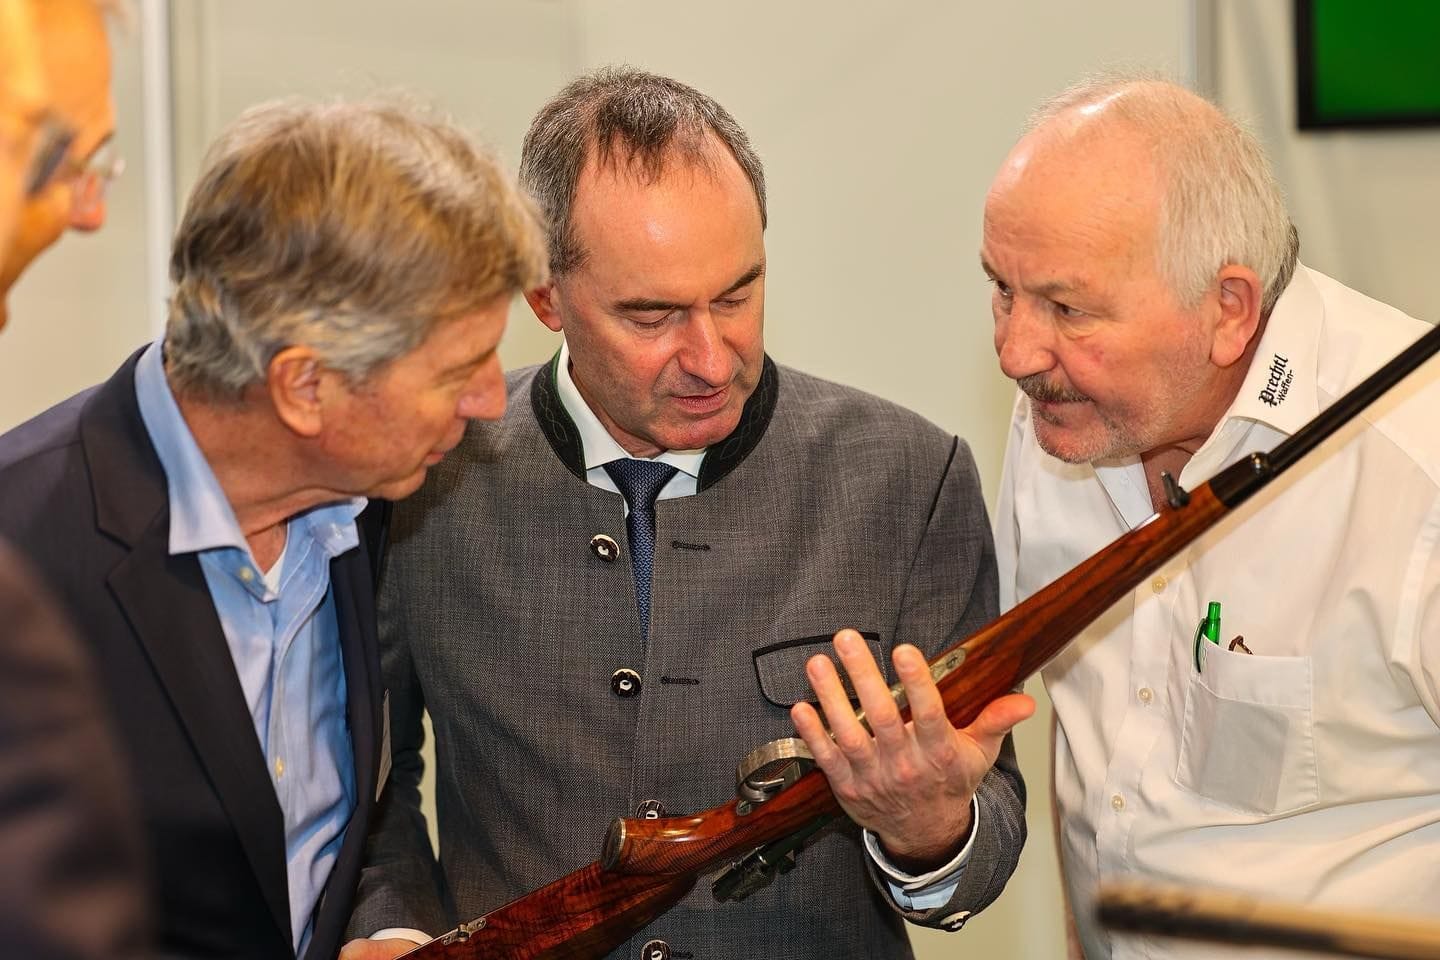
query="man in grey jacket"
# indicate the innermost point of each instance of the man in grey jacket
(586, 651)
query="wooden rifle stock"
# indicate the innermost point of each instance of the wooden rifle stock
(1220, 916)
(646, 866)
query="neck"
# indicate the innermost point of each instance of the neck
(253, 458)
(637, 447)
(1214, 400)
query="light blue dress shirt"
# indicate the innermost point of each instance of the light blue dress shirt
(283, 635)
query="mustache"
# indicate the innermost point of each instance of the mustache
(1036, 387)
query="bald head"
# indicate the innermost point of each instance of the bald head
(1136, 241)
(74, 58)
(1209, 196)
(22, 106)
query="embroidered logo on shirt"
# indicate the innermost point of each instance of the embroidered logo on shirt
(1277, 385)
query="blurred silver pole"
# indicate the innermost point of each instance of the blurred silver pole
(159, 136)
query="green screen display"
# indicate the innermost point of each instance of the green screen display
(1368, 62)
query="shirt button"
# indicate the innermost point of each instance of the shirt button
(279, 768)
(655, 950)
(1159, 584)
(955, 921)
(625, 683)
(1117, 803)
(604, 547)
(246, 574)
(1146, 695)
(650, 810)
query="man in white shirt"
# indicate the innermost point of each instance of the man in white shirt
(1149, 303)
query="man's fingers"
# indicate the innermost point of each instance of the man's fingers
(871, 688)
(375, 949)
(847, 732)
(997, 719)
(827, 756)
(927, 710)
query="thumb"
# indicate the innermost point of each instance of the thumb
(998, 718)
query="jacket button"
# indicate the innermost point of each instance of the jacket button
(650, 810)
(604, 547)
(625, 683)
(655, 950)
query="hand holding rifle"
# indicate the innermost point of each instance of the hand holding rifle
(908, 782)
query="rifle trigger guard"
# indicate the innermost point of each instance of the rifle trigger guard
(768, 769)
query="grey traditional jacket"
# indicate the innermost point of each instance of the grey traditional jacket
(826, 508)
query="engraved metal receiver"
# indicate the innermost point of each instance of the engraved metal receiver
(769, 769)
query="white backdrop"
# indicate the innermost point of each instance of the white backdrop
(880, 125)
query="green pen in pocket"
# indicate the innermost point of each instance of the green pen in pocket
(1207, 629)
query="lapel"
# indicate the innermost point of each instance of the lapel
(720, 459)
(355, 611)
(168, 605)
(350, 578)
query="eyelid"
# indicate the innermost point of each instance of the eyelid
(647, 318)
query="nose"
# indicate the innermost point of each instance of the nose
(87, 202)
(705, 354)
(1024, 339)
(484, 395)
(88, 218)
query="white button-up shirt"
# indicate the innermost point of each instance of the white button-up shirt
(1310, 770)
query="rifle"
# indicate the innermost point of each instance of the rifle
(646, 866)
(1236, 919)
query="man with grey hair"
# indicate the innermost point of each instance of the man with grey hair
(1148, 302)
(342, 275)
(700, 521)
(74, 55)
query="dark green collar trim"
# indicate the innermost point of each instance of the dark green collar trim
(729, 453)
(554, 421)
(720, 459)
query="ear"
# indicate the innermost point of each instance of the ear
(545, 302)
(1239, 314)
(293, 381)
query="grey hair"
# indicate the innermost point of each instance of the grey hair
(353, 228)
(625, 116)
(1221, 202)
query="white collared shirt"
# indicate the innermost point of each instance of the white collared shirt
(1310, 770)
(601, 448)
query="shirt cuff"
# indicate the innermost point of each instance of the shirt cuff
(928, 890)
(401, 933)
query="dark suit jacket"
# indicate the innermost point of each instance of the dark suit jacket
(71, 880)
(86, 500)
(825, 508)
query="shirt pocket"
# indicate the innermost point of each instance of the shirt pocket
(1248, 740)
(780, 667)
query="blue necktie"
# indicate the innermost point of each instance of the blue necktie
(640, 482)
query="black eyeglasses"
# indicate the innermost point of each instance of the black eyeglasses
(54, 146)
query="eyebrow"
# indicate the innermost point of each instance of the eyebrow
(646, 304)
(466, 365)
(1047, 290)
